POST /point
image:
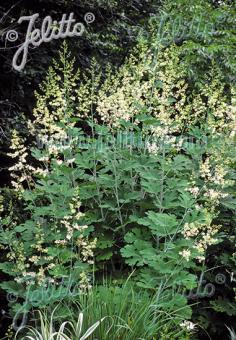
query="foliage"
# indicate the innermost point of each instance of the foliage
(203, 33)
(67, 330)
(129, 313)
(53, 241)
(108, 38)
(132, 169)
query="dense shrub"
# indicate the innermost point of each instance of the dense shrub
(127, 170)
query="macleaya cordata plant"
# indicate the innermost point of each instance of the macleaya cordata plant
(152, 208)
(54, 104)
(50, 243)
(153, 197)
(153, 91)
(53, 242)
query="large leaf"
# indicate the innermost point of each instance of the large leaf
(160, 224)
